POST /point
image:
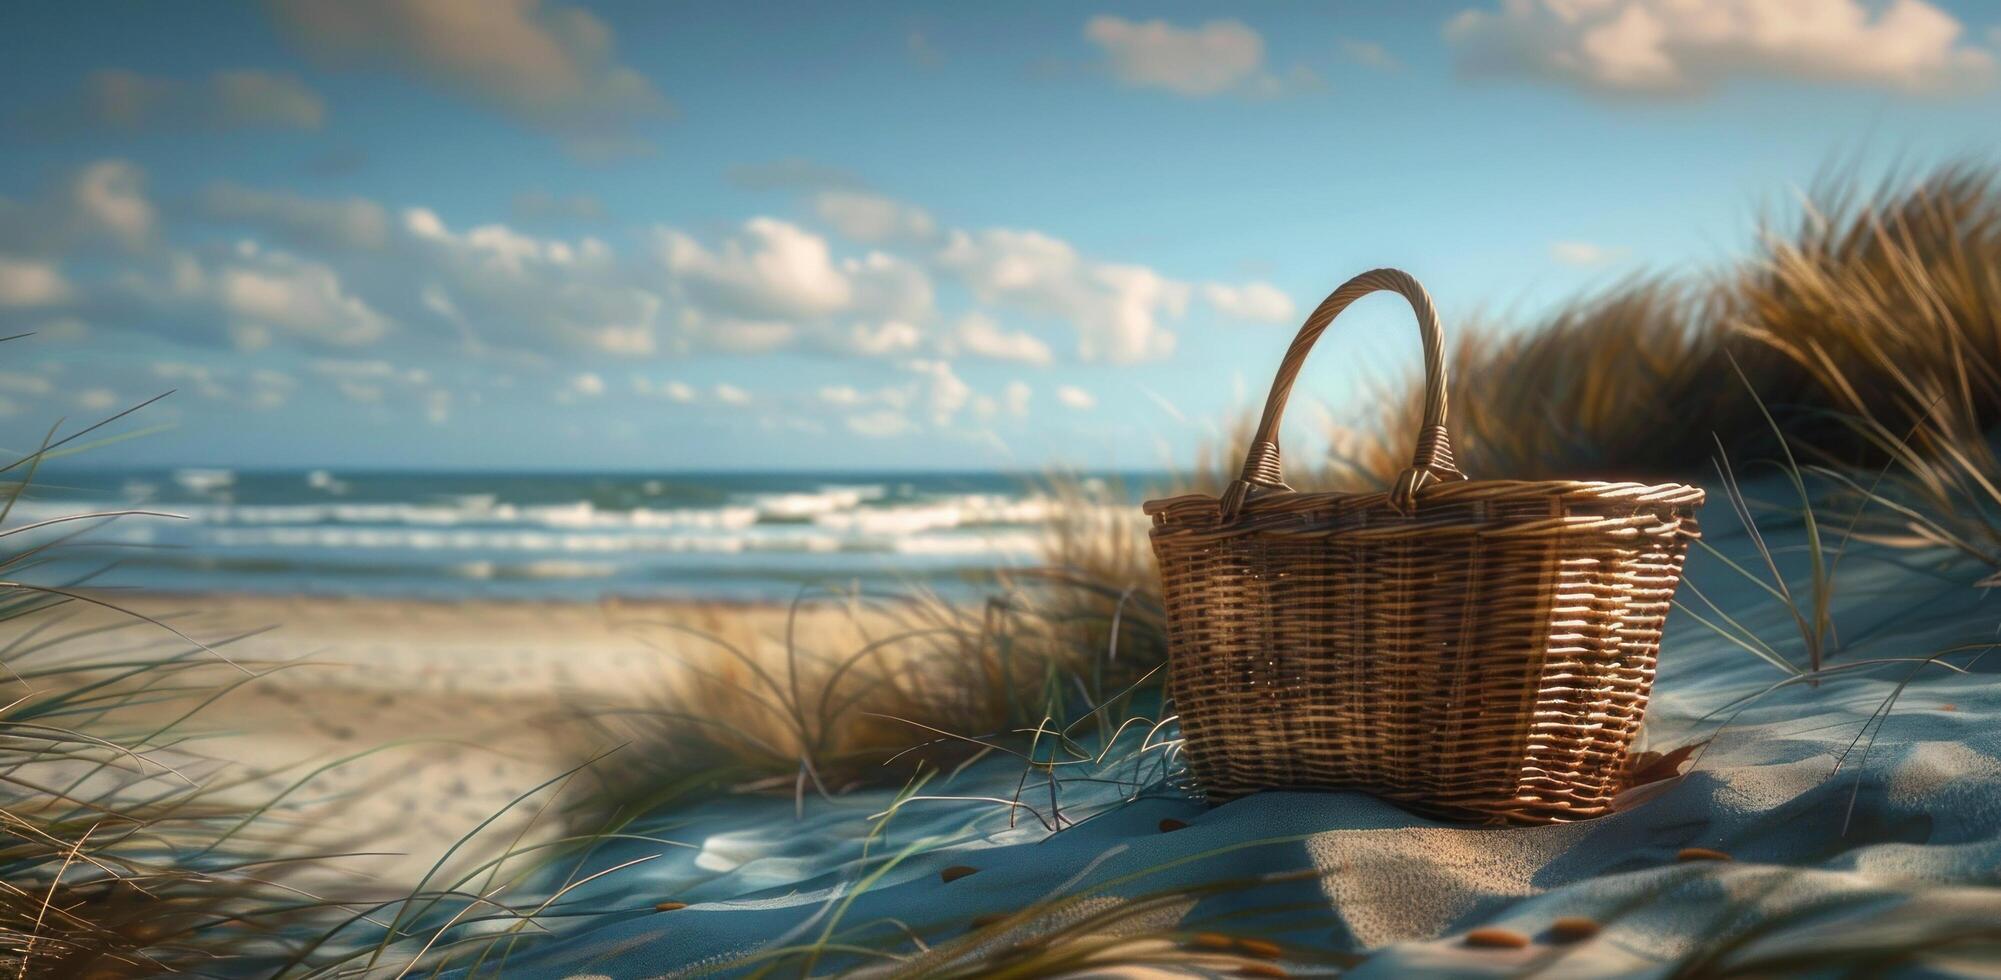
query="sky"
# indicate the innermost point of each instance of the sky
(512, 234)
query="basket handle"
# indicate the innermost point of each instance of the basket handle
(1432, 460)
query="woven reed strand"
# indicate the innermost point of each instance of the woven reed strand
(1484, 650)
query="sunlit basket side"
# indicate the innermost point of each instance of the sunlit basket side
(1472, 648)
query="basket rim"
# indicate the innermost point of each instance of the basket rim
(1458, 491)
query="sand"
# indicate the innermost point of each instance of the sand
(449, 710)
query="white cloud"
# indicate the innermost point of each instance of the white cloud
(1664, 48)
(273, 292)
(1260, 302)
(587, 385)
(507, 289)
(97, 399)
(100, 201)
(894, 337)
(979, 335)
(110, 197)
(1217, 57)
(553, 66)
(776, 269)
(18, 383)
(730, 394)
(843, 396)
(351, 223)
(872, 218)
(888, 287)
(1074, 397)
(27, 282)
(1584, 253)
(945, 394)
(1117, 310)
(678, 391)
(775, 283)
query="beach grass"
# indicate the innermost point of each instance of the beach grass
(110, 856)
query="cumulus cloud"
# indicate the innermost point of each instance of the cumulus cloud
(110, 196)
(249, 296)
(503, 288)
(267, 293)
(100, 202)
(15, 382)
(97, 399)
(1218, 57)
(553, 66)
(587, 385)
(980, 336)
(678, 392)
(1077, 398)
(129, 101)
(1117, 310)
(872, 218)
(773, 283)
(842, 396)
(27, 282)
(730, 394)
(932, 395)
(774, 269)
(348, 223)
(882, 340)
(1670, 48)
(1259, 302)
(944, 392)
(350, 272)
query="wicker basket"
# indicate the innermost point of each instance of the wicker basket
(1470, 648)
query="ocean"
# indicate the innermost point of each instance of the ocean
(733, 536)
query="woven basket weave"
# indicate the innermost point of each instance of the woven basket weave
(1471, 648)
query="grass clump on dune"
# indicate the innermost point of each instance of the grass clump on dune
(109, 864)
(1891, 305)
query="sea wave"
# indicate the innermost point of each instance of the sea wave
(372, 531)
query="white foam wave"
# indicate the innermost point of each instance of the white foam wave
(205, 480)
(964, 510)
(814, 504)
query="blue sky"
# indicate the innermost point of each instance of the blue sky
(649, 236)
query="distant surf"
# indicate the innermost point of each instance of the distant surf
(739, 536)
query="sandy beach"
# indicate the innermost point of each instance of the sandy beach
(436, 713)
